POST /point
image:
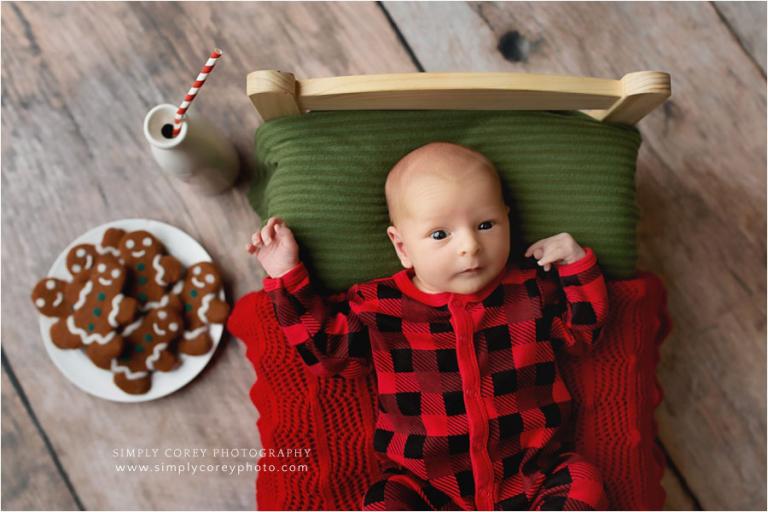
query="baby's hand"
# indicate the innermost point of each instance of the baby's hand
(560, 249)
(275, 247)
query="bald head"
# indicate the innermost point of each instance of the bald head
(441, 161)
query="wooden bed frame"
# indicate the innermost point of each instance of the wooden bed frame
(626, 101)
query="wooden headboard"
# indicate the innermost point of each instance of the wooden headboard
(277, 93)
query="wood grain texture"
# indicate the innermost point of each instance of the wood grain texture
(78, 80)
(701, 191)
(31, 481)
(677, 497)
(747, 22)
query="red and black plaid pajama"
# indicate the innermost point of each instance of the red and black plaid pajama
(471, 406)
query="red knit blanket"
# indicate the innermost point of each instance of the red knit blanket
(614, 389)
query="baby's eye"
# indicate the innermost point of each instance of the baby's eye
(485, 225)
(438, 235)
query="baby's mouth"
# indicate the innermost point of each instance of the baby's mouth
(471, 271)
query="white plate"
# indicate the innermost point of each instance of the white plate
(76, 366)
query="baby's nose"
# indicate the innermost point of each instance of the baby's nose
(469, 245)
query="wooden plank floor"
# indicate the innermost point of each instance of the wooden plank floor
(77, 80)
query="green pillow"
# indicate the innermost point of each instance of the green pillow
(324, 173)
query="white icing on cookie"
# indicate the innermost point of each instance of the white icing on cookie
(138, 254)
(152, 359)
(40, 302)
(130, 328)
(83, 295)
(85, 337)
(197, 283)
(203, 311)
(188, 335)
(157, 304)
(115, 310)
(59, 299)
(116, 368)
(50, 284)
(159, 269)
(106, 250)
(158, 330)
(105, 282)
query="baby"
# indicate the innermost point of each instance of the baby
(472, 409)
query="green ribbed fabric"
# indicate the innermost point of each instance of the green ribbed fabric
(324, 173)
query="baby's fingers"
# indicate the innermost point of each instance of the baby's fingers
(529, 251)
(537, 249)
(267, 232)
(553, 255)
(545, 263)
(255, 244)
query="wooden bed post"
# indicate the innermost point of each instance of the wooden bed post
(273, 93)
(642, 92)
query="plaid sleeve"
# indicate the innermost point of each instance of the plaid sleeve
(584, 307)
(326, 331)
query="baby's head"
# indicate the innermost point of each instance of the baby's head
(449, 219)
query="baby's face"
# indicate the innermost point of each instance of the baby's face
(454, 233)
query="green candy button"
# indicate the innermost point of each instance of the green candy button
(91, 327)
(142, 279)
(193, 293)
(101, 296)
(187, 307)
(143, 297)
(140, 267)
(147, 337)
(97, 311)
(138, 348)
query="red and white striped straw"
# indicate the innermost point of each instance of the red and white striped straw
(215, 54)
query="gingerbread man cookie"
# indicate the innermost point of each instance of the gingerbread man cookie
(80, 261)
(81, 257)
(202, 307)
(152, 270)
(148, 347)
(53, 297)
(98, 312)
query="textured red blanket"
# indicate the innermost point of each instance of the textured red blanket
(615, 388)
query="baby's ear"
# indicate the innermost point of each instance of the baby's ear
(397, 242)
